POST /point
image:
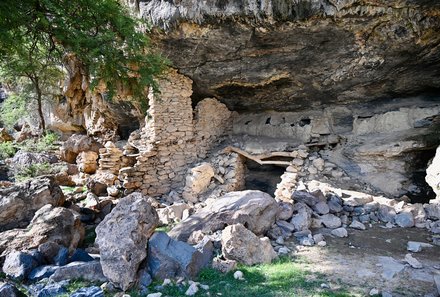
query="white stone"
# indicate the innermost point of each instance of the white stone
(192, 290)
(413, 261)
(238, 275)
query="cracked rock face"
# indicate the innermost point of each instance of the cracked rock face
(279, 55)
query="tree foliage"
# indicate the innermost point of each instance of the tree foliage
(37, 35)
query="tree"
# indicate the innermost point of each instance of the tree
(36, 35)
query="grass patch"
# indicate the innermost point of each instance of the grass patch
(283, 278)
(69, 190)
(165, 228)
(7, 150)
(37, 169)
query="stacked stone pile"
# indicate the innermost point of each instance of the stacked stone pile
(110, 158)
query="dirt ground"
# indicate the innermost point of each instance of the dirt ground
(374, 258)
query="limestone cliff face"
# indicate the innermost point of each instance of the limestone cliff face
(288, 54)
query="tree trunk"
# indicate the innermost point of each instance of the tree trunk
(42, 125)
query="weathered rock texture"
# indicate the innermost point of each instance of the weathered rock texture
(282, 55)
(240, 244)
(56, 224)
(254, 209)
(19, 203)
(122, 238)
(171, 139)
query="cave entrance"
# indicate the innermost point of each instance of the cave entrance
(421, 192)
(263, 177)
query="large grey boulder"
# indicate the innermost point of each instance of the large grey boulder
(56, 224)
(18, 265)
(240, 244)
(254, 209)
(88, 271)
(122, 238)
(19, 203)
(169, 258)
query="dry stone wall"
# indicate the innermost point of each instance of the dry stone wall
(172, 139)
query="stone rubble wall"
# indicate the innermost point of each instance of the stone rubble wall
(172, 139)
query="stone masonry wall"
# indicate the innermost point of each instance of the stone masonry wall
(171, 140)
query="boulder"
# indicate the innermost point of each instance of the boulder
(76, 144)
(197, 181)
(340, 232)
(122, 237)
(357, 225)
(308, 198)
(41, 272)
(9, 290)
(432, 211)
(22, 159)
(88, 271)
(254, 209)
(19, 203)
(87, 162)
(241, 245)
(169, 258)
(49, 289)
(321, 208)
(18, 265)
(88, 292)
(56, 224)
(302, 219)
(415, 246)
(331, 221)
(386, 213)
(357, 200)
(405, 219)
(285, 211)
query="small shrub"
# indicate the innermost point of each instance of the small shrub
(7, 150)
(34, 170)
(38, 145)
(13, 109)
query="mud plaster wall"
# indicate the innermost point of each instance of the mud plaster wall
(173, 138)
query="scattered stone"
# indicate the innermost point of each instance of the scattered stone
(49, 289)
(169, 258)
(288, 227)
(340, 232)
(122, 239)
(386, 214)
(155, 295)
(62, 256)
(325, 286)
(432, 210)
(390, 267)
(240, 244)
(197, 181)
(386, 294)
(308, 198)
(358, 200)
(331, 221)
(437, 282)
(283, 251)
(303, 217)
(20, 202)
(18, 265)
(144, 278)
(374, 292)
(224, 265)
(89, 271)
(192, 290)
(415, 246)
(318, 238)
(322, 243)
(413, 261)
(285, 211)
(88, 292)
(42, 272)
(405, 219)
(238, 275)
(255, 209)
(357, 225)
(321, 208)
(9, 290)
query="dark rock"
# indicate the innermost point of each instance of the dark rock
(144, 279)
(331, 221)
(308, 198)
(61, 257)
(9, 290)
(365, 218)
(89, 271)
(21, 201)
(285, 211)
(432, 211)
(18, 265)
(321, 208)
(49, 250)
(169, 258)
(302, 219)
(49, 290)
(80, 255)
(122, 238)
(335, 204)
(386, 213)
(88, 292)
(37, 256)
(42, 272)
(254, 209)
(206, 249)
(286, 226)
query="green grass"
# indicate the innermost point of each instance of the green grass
(70, 190)
(7, 150)
(282, 278)
(165, 229)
